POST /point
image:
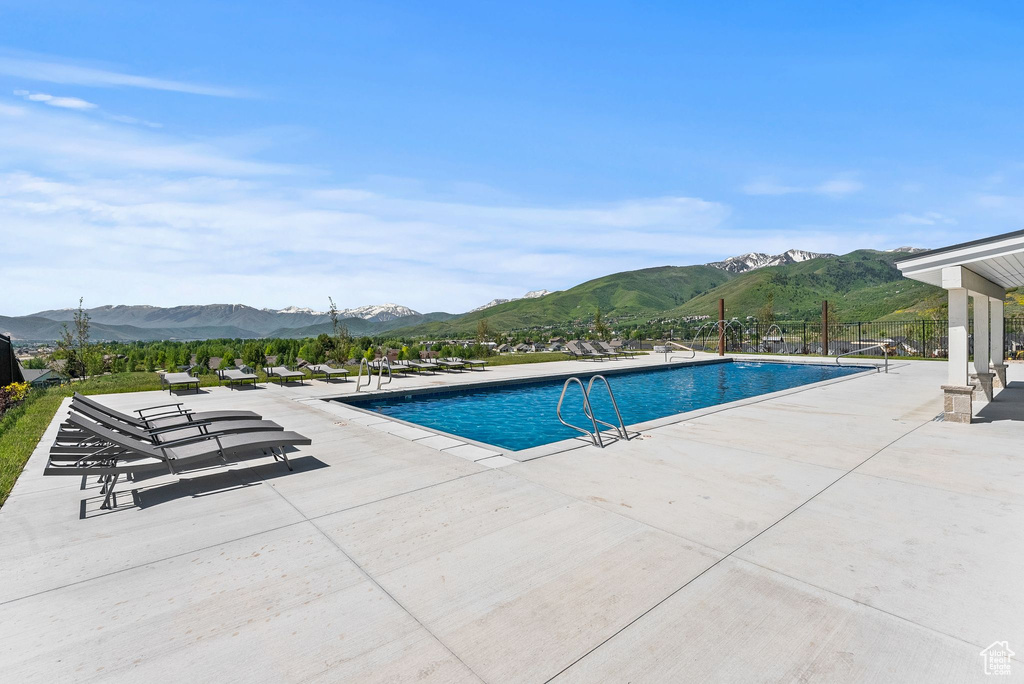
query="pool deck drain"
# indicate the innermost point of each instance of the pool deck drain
(833, 534)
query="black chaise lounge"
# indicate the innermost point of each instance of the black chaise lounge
(72, 435)
(237, 376)
(578, 352)
(113, 453)
(328, 372)
(164, 415)
(284, 375)
(172, 380)
(471, 364)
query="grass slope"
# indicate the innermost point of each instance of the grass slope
(631, 293)
(862, 285)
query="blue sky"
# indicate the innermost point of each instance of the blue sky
(442, 154)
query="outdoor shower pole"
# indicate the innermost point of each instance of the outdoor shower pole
(721, 327)
(824, 327)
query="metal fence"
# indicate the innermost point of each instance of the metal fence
(9, 369)
(922, 338)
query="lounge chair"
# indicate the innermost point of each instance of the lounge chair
(578, 352)
(608, 349)
(237, 376)
(164, 415)
(450, 364)
(284, 375)
(119, 454)
(328, 372)
(423, 365)
(471, 364)
(172, 380)
(70, 434)
(590, 348)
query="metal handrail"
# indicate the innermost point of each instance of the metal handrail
(883, 347)
(384, 361)
(369, 374)
(693, 352)
(621, 427)
(595, 436)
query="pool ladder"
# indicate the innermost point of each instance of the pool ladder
(384, 363)
(588, 411)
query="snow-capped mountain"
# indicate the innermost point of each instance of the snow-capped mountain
(532, 294)
(378, 312)
(297, 310)
(370, 312)
(907, 250)
(755, 260)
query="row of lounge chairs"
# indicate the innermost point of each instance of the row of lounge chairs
(282, 375)
(596, 351)
(427, 364)
(242, 376)
(98, 441)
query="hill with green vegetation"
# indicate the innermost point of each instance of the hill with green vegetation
(631, 294)
(862, 285)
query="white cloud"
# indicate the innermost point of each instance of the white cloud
(928, 218)
(835, 187)
(67, 142)
(838, 187)
(55, 101)
(70, 74)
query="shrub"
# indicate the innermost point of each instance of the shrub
(13, 394)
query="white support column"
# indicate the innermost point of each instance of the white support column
(996, 343)
(981, 347)
(982, 376)
(958, 337)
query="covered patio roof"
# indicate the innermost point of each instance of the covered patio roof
(982, 270)
(998, 259)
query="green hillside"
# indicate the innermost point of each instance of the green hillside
(862, 285)
(646, 292)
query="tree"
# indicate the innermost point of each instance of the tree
(483, 331)
(73, 344)
(337, 351)
(252, 355)
(600, 328)
(766, 315)
(203, 358)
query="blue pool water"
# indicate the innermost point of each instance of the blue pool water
(522, 416)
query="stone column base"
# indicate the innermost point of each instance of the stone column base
(958, 405)
(982, 385)
(1000, 371)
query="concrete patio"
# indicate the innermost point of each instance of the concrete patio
(837, 533)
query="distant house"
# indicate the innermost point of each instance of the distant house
(504, 348)
(41, 377)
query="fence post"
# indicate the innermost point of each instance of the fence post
(860, 338)
(824, 327)
(721, 327)
(924, 340)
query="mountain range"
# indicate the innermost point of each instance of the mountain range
(533, 294)
(863, 285)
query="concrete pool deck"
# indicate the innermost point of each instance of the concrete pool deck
(834, 533)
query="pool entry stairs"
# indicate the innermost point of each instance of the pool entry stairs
(588, 410)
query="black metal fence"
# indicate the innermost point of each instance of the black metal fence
(9, 369)
(922, 338)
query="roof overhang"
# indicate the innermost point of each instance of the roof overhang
(984, 266)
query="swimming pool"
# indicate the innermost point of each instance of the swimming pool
(521, 416)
